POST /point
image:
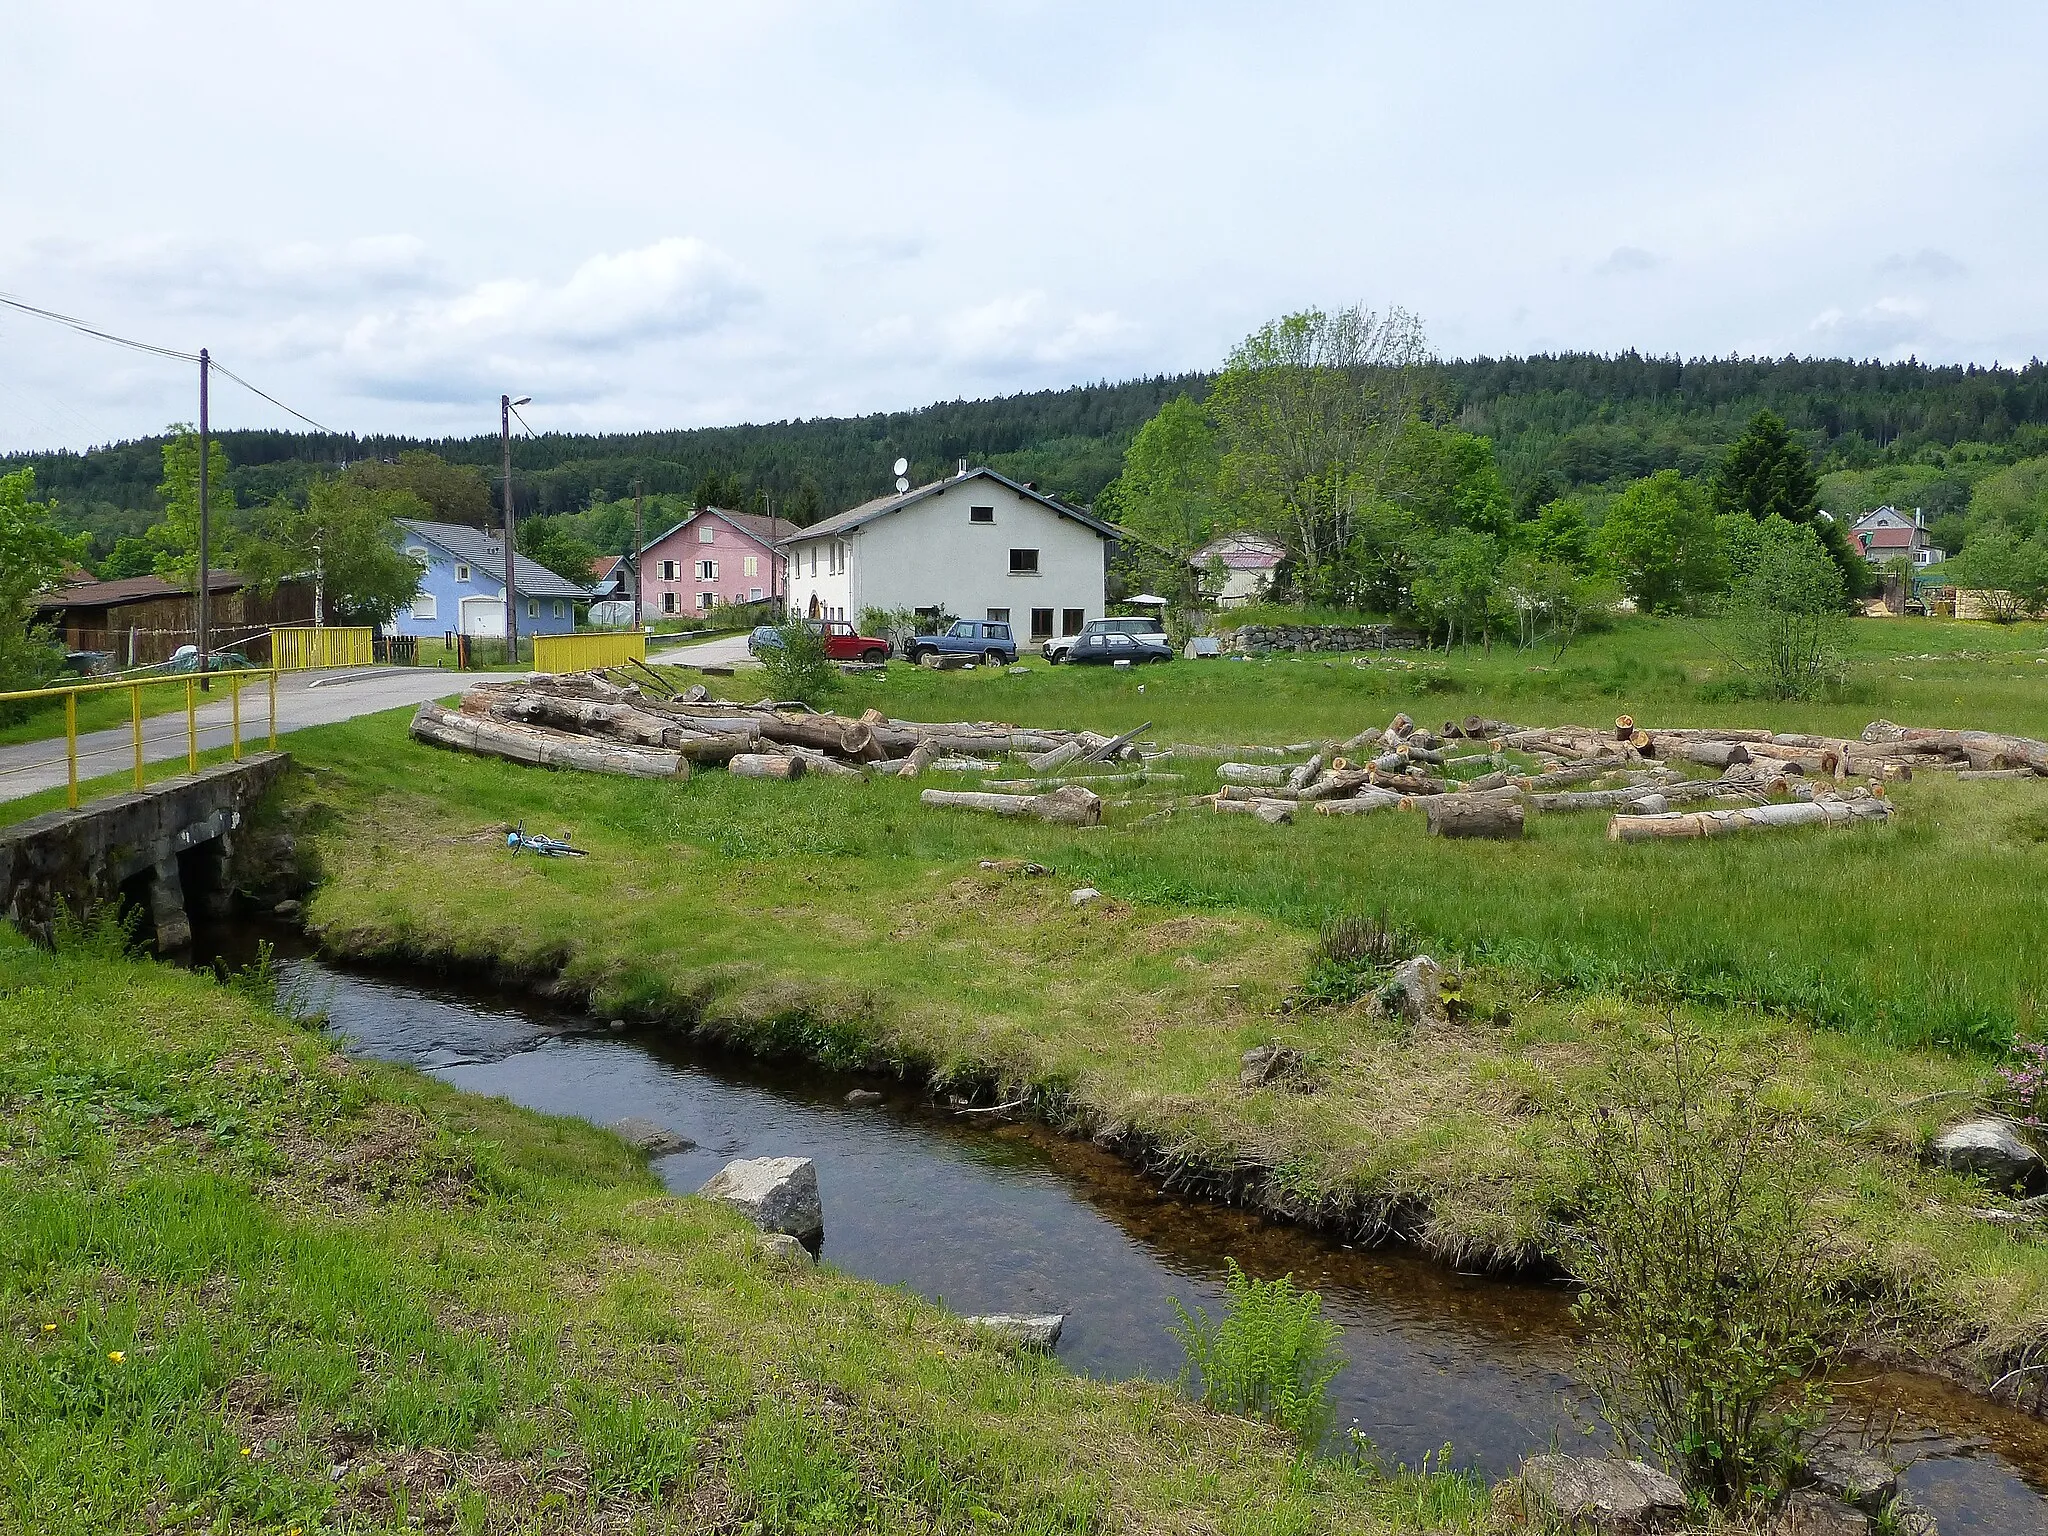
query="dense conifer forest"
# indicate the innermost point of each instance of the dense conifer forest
(1558, 424)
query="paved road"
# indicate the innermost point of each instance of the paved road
(725, 651)
(303, 699)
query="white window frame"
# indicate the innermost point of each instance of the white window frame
(668, 602)
(557, 612)
(750, 565)
(707, 534)
(1014, 569)
(461, 571)
(668, 570)
(533, 607)
(426, 607)
(754, 596)
(707, 570)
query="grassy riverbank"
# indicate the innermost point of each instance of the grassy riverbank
(1876, 972)
(251, 1286)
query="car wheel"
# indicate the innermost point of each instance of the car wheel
(918, 654)
(874, 656)
(993, 659)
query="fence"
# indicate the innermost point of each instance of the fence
(234, 681)
(585, 653)
(300, 650)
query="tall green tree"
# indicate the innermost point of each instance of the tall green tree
(33, 555)
(1660, 537)
(1167, 493)
(346, 540)
(1768, 473)
(550, 542)
(2010, 574)
(2013, 500)
(449, 493)
(1311, 409)
(176, 536)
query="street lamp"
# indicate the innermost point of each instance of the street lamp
(505, 407)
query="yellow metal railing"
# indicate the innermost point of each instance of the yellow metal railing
(586, 653)
(300, 649)
(234, 682)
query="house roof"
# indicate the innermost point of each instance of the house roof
(768, 531)
(602, 566)
(1241, 552)
(481, 548)
(1885, 536)
(131, 589)
(882, 506)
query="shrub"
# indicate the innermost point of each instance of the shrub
(1269, 1356)
(1709, 1315)
(1351, 959)
(1785, 619)
(798, 668)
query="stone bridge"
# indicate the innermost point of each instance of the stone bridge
(148, 847)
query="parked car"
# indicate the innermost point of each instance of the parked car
(842, 641)
(1055, 651)
(1107, 646)
(988, 639)
(186, 659)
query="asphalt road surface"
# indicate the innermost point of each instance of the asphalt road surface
(725, 651)
(303, 699)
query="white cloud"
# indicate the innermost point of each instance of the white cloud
(1625, 260)
(1926, 263)
(1895, 326)
(1029, 328)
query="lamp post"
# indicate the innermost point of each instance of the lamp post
(505, 404)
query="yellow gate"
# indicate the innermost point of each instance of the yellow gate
(304, 649)
(586, 653)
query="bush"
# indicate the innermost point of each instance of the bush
(797, 668)
(1785, 616)
(1270, 1355)
(1710, 1318)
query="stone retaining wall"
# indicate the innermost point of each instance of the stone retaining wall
(1319, 637)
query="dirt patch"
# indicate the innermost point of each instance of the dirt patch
(392, 1151)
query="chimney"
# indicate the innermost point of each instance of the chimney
(963, 467)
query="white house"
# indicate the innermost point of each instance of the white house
(1887, 533)
(977, 546)
(1248, 561)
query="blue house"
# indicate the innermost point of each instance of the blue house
(462, 586)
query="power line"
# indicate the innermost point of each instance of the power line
(82, 327)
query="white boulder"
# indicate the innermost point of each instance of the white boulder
(1607, 1495)
(1991, 1148)
(1026, 1332)
(777, 1194)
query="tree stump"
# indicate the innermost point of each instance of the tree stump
(1474, 816)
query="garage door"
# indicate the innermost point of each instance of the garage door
(483, 617)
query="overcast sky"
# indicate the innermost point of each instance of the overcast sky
(676, 214)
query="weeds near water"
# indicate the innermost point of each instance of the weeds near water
(1270, 1356)
(1351, 958)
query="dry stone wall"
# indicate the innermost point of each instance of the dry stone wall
(1253, 638)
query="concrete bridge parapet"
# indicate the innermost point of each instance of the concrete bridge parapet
(142, 845)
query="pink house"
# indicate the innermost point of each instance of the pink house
(712, 558)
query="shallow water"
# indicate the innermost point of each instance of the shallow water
(1010, 1218)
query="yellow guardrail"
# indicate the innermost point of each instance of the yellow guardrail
(235, 682)
(586, 653)
(302, 648)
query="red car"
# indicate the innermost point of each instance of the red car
(845, 643)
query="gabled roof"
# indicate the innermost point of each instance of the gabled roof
(131, 589)
(602, 566)
(482, 548)
(767, 531)
(882, 506)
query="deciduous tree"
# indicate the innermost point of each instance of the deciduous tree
(33, 555)
(450, 493)
(1660, 537)
(176, 536)
(346, 540)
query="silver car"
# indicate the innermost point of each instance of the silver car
(1055, 651)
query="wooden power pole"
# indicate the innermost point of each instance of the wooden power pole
(202, 623)
(639, 546)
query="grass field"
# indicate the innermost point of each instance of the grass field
(246, 1285)
(838, 919)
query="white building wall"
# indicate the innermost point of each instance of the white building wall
(933, 554)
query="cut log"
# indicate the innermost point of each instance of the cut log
(763, 765)
(1825, 761)
(1303, 776)
(1563, 778)
(1073, 806)
(1058, 757)
(1707, 753)
(1474, 816)
(1115, 744)
(1360, 804)
(1253, 773)
(1335, 786)
(2023, 751)
(1229, 754)
(922, 756)
(1096, 781)
(1405, 783)
(1479, 727)
(1271, 812)
(542, 748)
(819, 762)
(1810, 813)
(1977, 774)
(1615, 799)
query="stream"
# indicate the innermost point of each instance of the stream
(1011, 1218)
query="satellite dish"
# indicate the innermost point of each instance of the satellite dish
(902, 467)
(902, 484)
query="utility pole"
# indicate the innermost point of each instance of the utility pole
(203, 618)
(511, 532)
(639, 544)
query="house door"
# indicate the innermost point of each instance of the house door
(484, 617)
(817, 609)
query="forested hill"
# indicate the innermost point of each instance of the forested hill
(1557, 423)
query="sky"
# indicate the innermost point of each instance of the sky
(676, 214)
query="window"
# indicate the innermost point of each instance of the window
(668, 602)
(707, 570)
(668, 570)
(461, 571)
(1023, 562)
(754, 596)
(707, 534)
(1072, 620)
(416, 552)
(423, 606)
(1000, 615)
(981, 514)
(996, 631)
(705, 600)
(1041, 623)
(837, 558)
(533, 607)
(557, 610)
(750, 565)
